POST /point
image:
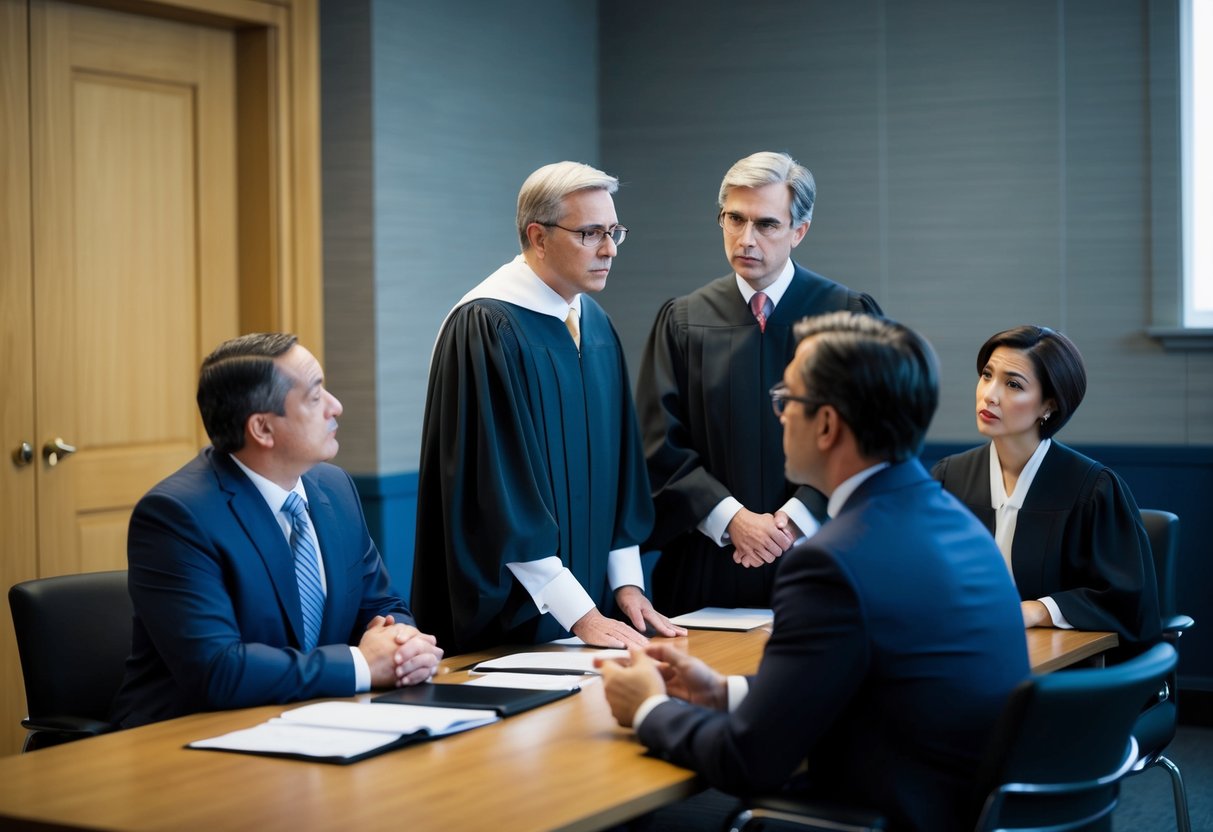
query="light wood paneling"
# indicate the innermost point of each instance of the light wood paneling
(18, 536)
(124, 131)
(129, 194)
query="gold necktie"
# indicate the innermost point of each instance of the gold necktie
(574, 330)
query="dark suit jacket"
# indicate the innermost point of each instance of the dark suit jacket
(217, 618)
(897, 638)
(1078, 539)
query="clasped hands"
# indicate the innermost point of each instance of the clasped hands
(760, 538)
(398, 654)
(657, 669)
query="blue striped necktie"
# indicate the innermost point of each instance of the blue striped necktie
(307, 570)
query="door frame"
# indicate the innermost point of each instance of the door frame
(279, 227)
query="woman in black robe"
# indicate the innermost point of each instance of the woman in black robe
(1067, 525)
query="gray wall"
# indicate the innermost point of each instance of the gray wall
(433, 114)
(979, 165)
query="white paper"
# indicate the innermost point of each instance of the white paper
(550, 662)
(725, 618)
(531, 681)
(283, 737)
(345, 729)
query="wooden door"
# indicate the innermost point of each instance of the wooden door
(135, 262)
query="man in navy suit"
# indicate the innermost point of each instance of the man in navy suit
(897, 633)
(219, 619)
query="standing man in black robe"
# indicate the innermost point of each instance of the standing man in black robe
(725, 510)
(532, 497)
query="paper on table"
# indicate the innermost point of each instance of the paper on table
(345, 729)
(549, 662)
(531, 681)
(398, 719)
(725, 618)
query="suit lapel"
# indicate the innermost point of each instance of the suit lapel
(265, 534)
(327, 526)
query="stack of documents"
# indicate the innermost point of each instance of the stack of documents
(725, 618)
(345, 732)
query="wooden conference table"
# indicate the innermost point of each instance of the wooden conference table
(564, 766)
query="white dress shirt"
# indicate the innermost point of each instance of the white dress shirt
(1006, 513)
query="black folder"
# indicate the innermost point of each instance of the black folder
(505, 701)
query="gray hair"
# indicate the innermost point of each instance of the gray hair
(766, 168)
(542, 194)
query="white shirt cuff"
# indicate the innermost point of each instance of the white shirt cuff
(1059, 620)
(646, 707)
(623, 568)
(801, 516)
(716, 524)
(554, 589)
(362, 671)
(738, 689)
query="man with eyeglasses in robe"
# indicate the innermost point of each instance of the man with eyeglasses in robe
(725, 510)
(532, 496)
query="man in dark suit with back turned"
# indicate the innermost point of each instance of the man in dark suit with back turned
(725, 512)
(238, 601)
(897, 633)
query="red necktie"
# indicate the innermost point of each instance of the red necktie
(761, 306)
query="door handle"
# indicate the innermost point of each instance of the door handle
(55, 450)
(23, 454)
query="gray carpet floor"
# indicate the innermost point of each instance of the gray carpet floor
(1146, 804)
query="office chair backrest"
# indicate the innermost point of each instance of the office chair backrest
(1162, 528)
(1064, 738)
(73, 635)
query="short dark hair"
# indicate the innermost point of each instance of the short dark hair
(881, 377)
(1058, 365)
(239, 379)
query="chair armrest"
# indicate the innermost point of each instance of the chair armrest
(68, 725)
(809, 814)
(1176, 624)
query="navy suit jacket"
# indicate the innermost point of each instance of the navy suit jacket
(217, 618)
(897, 638)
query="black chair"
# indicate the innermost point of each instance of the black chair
(1054, 761)
(73, 635)
(1156, 727)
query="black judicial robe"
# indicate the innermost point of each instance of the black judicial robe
(1078, 539)
(528, 450)
(709, 430)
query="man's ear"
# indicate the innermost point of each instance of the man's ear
(259, 431)
(829, 427)
(537, 235)
(798, 233)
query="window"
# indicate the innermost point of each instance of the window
(1196, 120)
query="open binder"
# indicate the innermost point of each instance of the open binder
(346, 732)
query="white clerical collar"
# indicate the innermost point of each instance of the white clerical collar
(517, 283)
(998, 491)
(844, 491)
(273, 494)
(775, 290)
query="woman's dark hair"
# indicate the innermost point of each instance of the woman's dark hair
(239, 379)
(1058, 365)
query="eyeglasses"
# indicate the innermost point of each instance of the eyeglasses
(780, 396)
(594, 236)
(735, 223)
